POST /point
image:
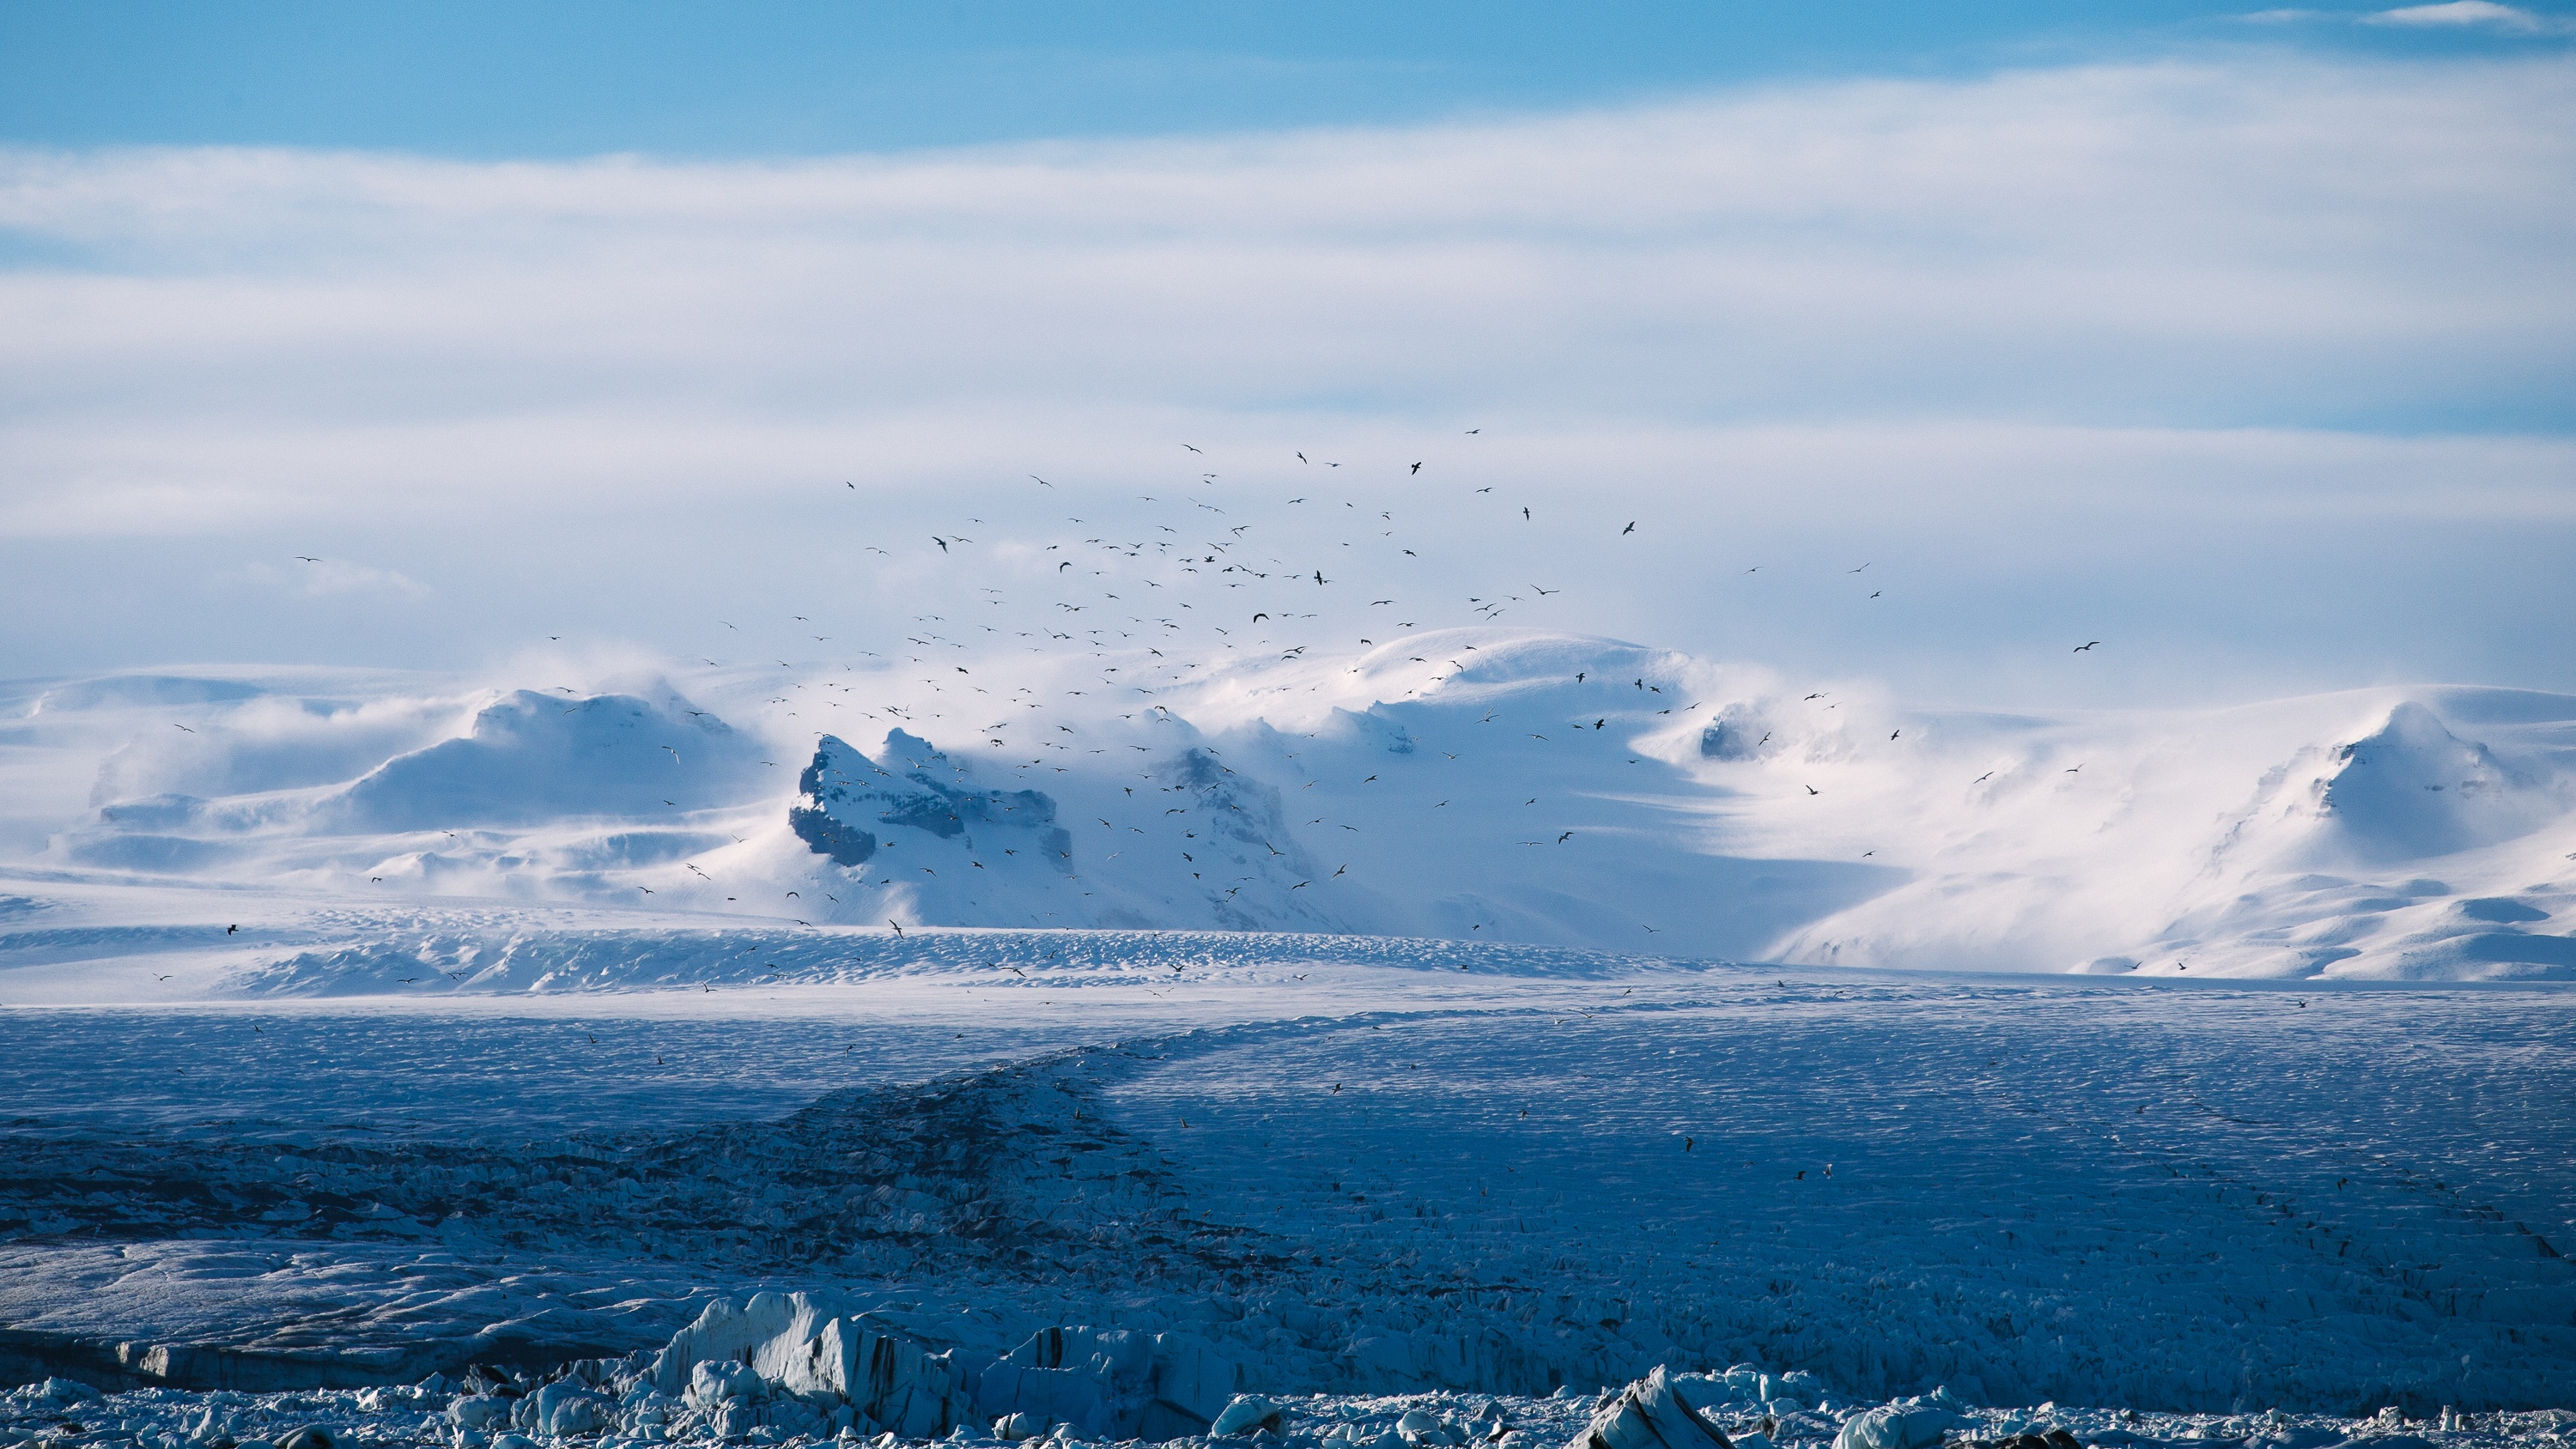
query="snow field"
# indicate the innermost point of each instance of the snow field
(1466, 784)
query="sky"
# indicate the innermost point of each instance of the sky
(417, 336)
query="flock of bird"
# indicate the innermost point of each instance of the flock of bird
(1052, 622)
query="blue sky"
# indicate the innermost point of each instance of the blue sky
(488, 80)
(2242, 342)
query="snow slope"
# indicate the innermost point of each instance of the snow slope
(1468, 784)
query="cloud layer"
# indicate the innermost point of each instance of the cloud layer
(2174, 299)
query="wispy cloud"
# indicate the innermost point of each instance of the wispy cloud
(2452, 15)
(328, 578)
(2477, 14)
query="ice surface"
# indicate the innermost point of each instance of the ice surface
(1374, 1180)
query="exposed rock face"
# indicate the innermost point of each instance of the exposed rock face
(847, 796)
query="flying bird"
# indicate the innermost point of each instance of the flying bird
(1417, 467)
(2080, 648)
(1631, 528)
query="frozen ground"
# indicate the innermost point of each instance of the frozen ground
(1351, 1176)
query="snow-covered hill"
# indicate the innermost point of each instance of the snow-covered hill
(1480, 784)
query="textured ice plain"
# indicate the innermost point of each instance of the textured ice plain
(1368, 1181)
(1463, 784)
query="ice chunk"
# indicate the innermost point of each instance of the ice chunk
(714, 1382)
(1098, 1380)
(1914, 1424)
(1115, 1383)
(68, 1390)
(807, 1346)
(1648, 1414)
(1247, 1413)
(560, 1408)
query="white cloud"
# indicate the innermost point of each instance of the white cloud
(328, 578)
(2480, 13)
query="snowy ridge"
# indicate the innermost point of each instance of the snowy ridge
(1467, 784)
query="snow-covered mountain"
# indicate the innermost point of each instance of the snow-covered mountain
(1475, 783)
